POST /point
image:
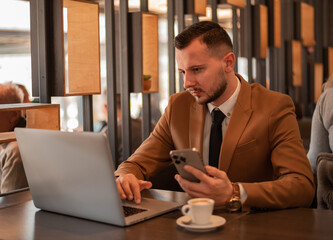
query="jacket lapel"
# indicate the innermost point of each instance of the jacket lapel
(238, 121)
(196, 126)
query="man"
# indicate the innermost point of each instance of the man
(261, 161)
(12, 175)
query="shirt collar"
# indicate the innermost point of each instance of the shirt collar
(228, 106)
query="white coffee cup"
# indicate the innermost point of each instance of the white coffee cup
(199, 210)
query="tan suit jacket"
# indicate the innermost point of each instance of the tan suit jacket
(262, 148)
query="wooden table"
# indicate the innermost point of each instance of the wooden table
(19, 219)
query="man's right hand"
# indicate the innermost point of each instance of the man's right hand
(129, 187)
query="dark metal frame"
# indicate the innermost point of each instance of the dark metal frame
(40, 21)
(125, 88)
(171, 49)
(111, 86)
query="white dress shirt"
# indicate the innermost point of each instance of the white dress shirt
(227, 107)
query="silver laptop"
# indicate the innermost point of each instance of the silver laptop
(73, 174)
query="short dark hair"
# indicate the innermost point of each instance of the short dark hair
(211, 33)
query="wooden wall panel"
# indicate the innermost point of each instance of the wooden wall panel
(197, 7)
(277, 23)
(260, 30)
(263, 30)
(318, 80)
(43, 118)
(200, 7)
(7, 137)
(307, 24)
(143, 51)
(150, 50)
(83, 48)
(296, 47)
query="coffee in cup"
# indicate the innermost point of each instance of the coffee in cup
(199, 210)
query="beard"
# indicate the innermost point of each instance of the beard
(219, 90)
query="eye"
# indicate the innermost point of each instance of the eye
(196, 69)
(181, 72)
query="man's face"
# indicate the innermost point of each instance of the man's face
(203, 73)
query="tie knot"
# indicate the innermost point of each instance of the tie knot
(217, 116)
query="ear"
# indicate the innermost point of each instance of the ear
(229, 61)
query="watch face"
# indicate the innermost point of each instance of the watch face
(234, 205)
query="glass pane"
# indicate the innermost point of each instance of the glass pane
(15, 53)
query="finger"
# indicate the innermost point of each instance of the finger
(214, 172)
(145, 184)
(126, 187)
(120, 190)
(196, 194)
(189, 187)
(185, 184)
(136, 191)
(197, 173)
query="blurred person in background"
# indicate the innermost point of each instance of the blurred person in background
(322, 125)
(26, 96)
(136, 125)
(12, 175)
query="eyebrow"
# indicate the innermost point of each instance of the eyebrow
(197, 66)
(194, 66)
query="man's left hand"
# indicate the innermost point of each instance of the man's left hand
(216, 185)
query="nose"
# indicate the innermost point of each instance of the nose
(189, 81)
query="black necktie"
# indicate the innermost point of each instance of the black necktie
(215, 137)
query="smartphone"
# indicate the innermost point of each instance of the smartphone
(187, 156)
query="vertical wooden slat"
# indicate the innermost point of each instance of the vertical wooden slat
(274, 7)
(318, 80)
(277, 23)
(328, 61)
(263, 31)
(260, 41)
(83, 48)
(297, 63)
(200, 7)
(307, 24)
(318, 6)
(274, 15)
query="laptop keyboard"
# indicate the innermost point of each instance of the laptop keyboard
(129, 211)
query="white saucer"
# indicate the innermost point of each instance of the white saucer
(215, 221)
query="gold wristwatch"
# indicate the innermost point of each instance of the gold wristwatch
(234, 204)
